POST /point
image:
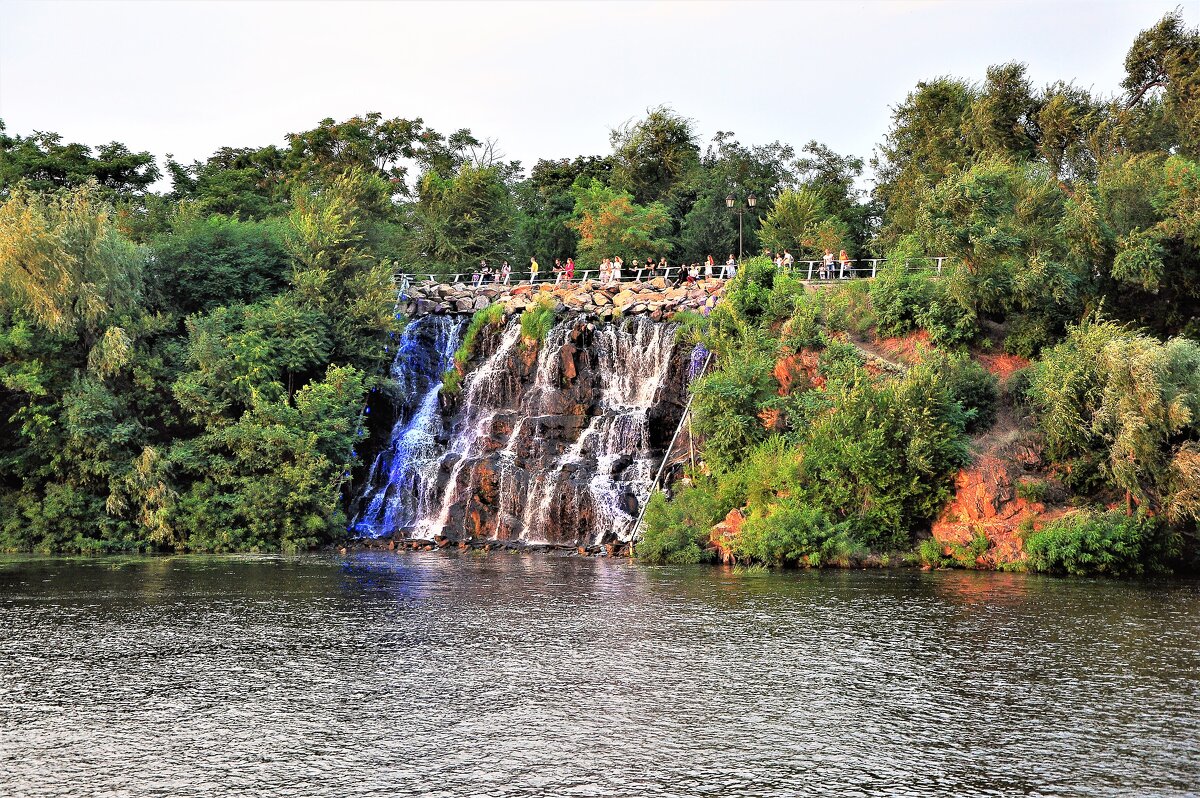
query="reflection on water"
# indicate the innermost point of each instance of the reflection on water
(512, 675)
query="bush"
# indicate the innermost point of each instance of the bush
(937, 554)
(1032, 490)
(451, 382)
(491, 316)
(973, 386)
(676, 532)
(791, 533)
(883, 458)
(750, 292)
(536, 321)
(1109, 544)
(692, 327)
(907, 301)
(726, 407)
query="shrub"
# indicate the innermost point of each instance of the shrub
(676, 532)
(1109, 543)
(692, 327)
(884, 456)
(726, 407)
(791, 533)
(939, 554)
(536, 321)
(750, 293)
(451, 382)
(491, 316)
(973, 386)
(907, 301)
(1032, 490)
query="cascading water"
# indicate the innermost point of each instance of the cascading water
(633, 362)
(485, 392)
(400, 484)
(556, 448)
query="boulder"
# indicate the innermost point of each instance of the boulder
(481, 302)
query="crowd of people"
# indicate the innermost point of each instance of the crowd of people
(614, 269)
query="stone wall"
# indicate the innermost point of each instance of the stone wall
(656, 298)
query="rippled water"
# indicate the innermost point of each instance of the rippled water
(507, 675)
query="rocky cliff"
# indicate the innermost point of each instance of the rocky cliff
(549, 442)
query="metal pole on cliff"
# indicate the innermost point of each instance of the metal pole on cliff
(637, 525)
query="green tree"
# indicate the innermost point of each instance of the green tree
(610, 223)
(801, 223)
(45, 163)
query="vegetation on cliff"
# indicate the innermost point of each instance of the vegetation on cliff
(190, 369)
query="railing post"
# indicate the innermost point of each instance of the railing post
(874, 267)
(810, 268)
(939, 264)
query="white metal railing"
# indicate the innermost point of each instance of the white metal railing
(809, 271)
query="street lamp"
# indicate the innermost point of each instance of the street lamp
(751, 201)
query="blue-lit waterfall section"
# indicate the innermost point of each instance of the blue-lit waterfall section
(400, 486)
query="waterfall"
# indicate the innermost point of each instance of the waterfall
(485, 393)
(400, 483)
(555, 448)
(633, 366)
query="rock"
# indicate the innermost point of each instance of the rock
(567, 356)
(442, 308)
(481, 303)
(725, 533)
(465, 305)
(600, 299)
(425, 307)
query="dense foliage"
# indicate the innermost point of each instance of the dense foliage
(188, 369)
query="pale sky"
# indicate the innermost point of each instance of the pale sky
(544, 79)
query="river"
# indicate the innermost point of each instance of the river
(439, 674)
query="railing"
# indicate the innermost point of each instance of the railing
(809, 271)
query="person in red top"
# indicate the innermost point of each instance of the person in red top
(570, 274)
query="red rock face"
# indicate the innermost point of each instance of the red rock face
(723, 535)
(798, 372)
(985, 500)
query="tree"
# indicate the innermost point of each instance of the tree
(801, 223)
(653, 157)
(1164, 65)
(200, 264)
(1003, 117)
(834, 177)
(924, 143)
(461, 219)
(44, 163)
(336, 272)
(610, 223)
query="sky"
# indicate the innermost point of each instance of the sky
(544, 79)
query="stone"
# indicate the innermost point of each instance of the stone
(567, 355)
(465, 305)
(599, 299)
(425, 307)
(725, 533)
(481, 303)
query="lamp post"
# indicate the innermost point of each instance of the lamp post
(751, 201)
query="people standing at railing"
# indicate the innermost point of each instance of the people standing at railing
(708, 267)
(730, 270)
(844, 260)
(505, 273)
(616, 268)
(485, 272)
(558, 271)
(663, 268)
(827, 265)
(570, 269)
(693, 273)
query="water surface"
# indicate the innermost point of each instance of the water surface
(509, 675)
